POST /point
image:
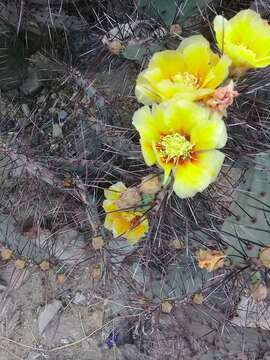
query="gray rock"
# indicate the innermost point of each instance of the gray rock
(32, 83)
(69, 246)
(47, 315)
(79, 299)
(19, 243)
(34, 355)
(10, 315)
(25, 109)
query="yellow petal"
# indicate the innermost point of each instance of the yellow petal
(148, 153)
(195, 176)
(170, 62)
(134, 235)
(109, 206)
(218, 73)
(180, 89)
(121, 226)
(182, 115)
(144, 123)
(196, 53)
(114, 191)
(210, 134)
(145, 89)
(245, 38)
(108, 223)
(150, 124)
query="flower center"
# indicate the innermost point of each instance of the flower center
(191, 80)
(174, 147)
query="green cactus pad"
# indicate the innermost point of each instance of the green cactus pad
(247, 230)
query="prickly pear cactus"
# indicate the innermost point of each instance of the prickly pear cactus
(139, 51)
(171, 11)
(247, 230)
(182, 279)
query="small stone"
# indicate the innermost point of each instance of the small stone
(259, 292)
(265, 257)
(47, 315)
(57, 131)
(31, 84)
(33, 355)
(45, 265)
(6, 254)
(97, 243)
(198, 298)
(79, 299)
(25, 109)
(150, 184)
(20, 264)
(62, 115)
(175, 29)
(41, 99)
(166, 307)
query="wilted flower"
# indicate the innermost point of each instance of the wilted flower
(150, 184)
(210, 260)
(222, 98)
(245, 38)
(128, 223)
(182, 137)
(192, 72)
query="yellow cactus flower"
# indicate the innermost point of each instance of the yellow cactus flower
(192, 72)
(245, 38)
(182, 137)
(210, 260)
(130, 224)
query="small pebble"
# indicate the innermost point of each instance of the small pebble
(25, 109)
